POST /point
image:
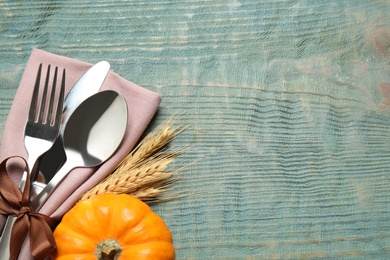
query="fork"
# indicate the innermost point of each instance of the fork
(42, 129)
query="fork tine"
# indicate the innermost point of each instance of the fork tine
(52, 94)
(43, 101)
(34, 99)
(57, 121)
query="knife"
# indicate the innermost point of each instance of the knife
(88, 85)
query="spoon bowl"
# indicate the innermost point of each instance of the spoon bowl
(92, 134)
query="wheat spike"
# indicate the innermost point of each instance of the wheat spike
(133, 179)
(143, 172)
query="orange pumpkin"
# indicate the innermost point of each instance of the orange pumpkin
(110, 226)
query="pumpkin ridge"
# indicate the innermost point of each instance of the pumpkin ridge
(139, 211)
(159, 232)
(80, 225)
(72, 236)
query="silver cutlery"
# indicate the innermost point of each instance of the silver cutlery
(41, 131)
(92, 134)
(88, 85)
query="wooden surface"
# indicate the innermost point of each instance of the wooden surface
(289, 103)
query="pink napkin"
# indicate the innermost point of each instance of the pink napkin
(142, 105)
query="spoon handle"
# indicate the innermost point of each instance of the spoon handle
(42, 197)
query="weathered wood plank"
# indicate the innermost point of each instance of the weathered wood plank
(288, 102)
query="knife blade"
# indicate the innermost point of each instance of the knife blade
(88, 84)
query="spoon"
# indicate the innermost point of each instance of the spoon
(92, 134)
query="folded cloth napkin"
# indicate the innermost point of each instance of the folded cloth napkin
(142, 105)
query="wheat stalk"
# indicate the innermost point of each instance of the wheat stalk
(143, 173)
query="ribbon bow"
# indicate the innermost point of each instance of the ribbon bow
(16, 203)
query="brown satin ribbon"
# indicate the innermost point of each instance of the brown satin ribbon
(16, 203)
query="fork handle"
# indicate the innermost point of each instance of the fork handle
(5, 240)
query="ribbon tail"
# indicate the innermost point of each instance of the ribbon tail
(42, 242)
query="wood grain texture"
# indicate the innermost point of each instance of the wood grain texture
(289, 106)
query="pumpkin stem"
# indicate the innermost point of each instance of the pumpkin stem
(108, 249)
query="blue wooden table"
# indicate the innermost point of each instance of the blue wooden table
(289, 106)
